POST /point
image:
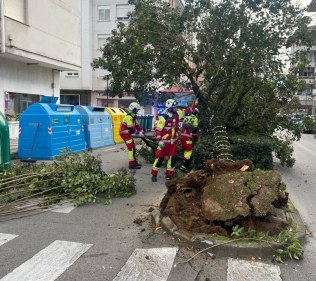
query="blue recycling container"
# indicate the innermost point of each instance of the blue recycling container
(47, 129)
(97, 126)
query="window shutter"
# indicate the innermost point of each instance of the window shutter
(122, 11)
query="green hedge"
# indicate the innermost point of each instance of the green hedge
(203, 150)
(257, 149)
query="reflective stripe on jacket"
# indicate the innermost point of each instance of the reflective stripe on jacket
(130, 125)
(190, 125)
(167, 127)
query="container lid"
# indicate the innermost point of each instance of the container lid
(48, 99)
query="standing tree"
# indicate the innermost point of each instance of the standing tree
(232, 52)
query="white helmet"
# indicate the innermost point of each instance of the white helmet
(134, 106)
(170, 103)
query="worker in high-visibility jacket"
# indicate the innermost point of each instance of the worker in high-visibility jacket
(166, 132)
(128, 127)
(189, 135)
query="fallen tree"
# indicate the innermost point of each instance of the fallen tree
(76, 178)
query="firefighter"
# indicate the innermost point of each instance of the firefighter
(189, 136)
(167, 135)
(128, 127)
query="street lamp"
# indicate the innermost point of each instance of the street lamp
(106, 77)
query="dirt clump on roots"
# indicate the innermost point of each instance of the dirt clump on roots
(224, 194)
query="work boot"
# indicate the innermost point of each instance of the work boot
(184, 169)
(154, 178)
(134, 167)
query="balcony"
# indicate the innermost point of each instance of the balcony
(308, 80)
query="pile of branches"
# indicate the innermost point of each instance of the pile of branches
(76, 178)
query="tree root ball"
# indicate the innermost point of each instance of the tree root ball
(225, 194)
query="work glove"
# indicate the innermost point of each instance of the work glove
(141, 134)
(161, 144)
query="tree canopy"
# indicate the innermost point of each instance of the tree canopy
(231, 52)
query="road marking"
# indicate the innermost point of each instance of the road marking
(148, 264)
(50, 263)
(5, 237)
(65, 209)
(242, 270)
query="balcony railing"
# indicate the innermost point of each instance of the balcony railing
(308, 80)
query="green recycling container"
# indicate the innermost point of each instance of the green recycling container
(5, 158)
(145, 123)
(150, 122)
(141, 121)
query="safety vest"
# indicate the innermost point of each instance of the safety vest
(130, 124)
(190, 125)
(167, 127)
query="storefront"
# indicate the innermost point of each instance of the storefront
(16, 103)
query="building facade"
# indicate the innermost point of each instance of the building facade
(87, 86)
(39, 39)
(307, 96)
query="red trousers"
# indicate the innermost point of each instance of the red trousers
(131, 148)
(170, 151)
(187, 146)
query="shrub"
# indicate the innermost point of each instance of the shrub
(309, 124)
(258, 149)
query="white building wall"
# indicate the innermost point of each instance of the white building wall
(101, 30)
(18, 77)
(41, 38)
(50, 34)
(82, 81)
(21, 78)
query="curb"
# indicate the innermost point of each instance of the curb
(230, 249)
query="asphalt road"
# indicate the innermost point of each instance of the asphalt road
(107, 235)
(301, 185)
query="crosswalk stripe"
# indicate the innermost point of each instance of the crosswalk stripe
(65, 209)
(242, 270)
(48, 264)
(5, 237)
(148, 264)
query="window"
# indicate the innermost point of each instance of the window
(16, 103)
(122, 12)
(104, 13)
(308, 91)
(72, 74)
(307, 74)
(73, 99)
